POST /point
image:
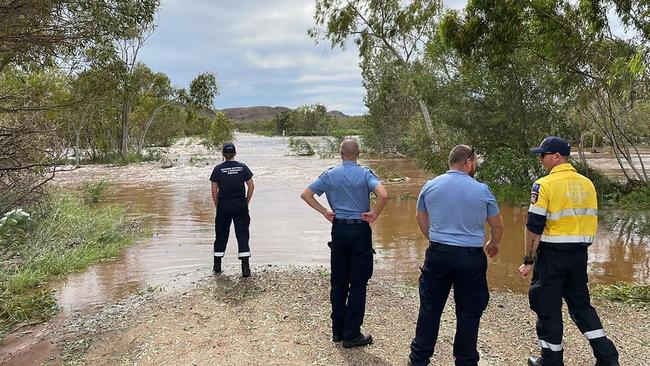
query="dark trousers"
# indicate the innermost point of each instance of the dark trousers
(228, 211)
(464, 269)
(561, 274)
(351, 262)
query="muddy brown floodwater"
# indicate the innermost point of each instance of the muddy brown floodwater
(177, 206)
(284, 230)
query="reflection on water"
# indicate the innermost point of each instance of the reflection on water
(284, 230)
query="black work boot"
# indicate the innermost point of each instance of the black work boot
(216, 268)
(245, 268)
(607, 363)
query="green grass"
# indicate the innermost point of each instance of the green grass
(65, 235)
(623, 292)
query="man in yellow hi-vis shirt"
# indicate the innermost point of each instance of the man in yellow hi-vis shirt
(562, 223)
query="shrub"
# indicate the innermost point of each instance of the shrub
(220, 131)
(94, 192)
(300, 146)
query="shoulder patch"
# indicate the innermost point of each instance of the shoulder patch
(534, 193)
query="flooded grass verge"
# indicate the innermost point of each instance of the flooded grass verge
(63, 235)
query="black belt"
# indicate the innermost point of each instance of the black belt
(349, 221)
(454, 248)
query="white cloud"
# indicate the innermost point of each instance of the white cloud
(260, 51)
(305, 59)
(333, 89)
(327, 77)
(455, 4)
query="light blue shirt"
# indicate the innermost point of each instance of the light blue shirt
(458, 206)
(347, 187)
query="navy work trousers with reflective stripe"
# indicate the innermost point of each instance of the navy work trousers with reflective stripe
(230, 210)
(351, 261)
(559, 273)
(464, 269)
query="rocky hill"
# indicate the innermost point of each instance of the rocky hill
(249, 114)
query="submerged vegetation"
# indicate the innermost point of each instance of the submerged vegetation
(64, 234)
(623, 292)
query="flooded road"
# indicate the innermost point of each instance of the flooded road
(284, 230)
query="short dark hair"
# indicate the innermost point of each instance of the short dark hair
(459, 154)
(229, 156)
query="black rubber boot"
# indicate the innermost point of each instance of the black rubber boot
(245, 268)
(216, 268)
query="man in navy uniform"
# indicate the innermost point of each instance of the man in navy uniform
(562, 223)
(231, 200)
(348, 188)
(451, 212)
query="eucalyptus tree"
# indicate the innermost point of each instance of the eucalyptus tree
(600, 70)
(39, 39)
(156, 94)
(381, 28)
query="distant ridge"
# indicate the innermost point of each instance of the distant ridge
(257, 113)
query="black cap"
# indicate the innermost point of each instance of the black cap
(228, 148)
(552, 145)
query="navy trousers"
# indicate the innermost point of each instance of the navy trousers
(351, 262)
(561, 274)
(447, 266)
(228, 211)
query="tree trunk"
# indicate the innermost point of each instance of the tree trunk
(593, 142)
(427, 123)
(124, 147)
(76, 148)
(147, 125)
(581, 153)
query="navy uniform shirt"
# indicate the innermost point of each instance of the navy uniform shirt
(230, 176)
(347, 187)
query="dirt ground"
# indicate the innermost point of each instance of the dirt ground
(280, 316)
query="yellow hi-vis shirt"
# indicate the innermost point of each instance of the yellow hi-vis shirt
(569, 203)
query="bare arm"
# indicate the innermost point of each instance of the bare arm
(532, 242)
(308, 196)
(496, 231)
(382, 199)
(423, 222)
(249, 191)
(215, 193)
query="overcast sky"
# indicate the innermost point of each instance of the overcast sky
(260, 52)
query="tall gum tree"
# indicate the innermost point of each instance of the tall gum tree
(400, 28)
(603, 72)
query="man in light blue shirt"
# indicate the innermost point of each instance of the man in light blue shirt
(348, 188)
(451, 211)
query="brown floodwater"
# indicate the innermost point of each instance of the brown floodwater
(175, 204)
(284, 230)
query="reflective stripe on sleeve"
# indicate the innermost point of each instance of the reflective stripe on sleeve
(593, 334)
(537, 210)
(572, 212)
(219, 254)
(551, 346)
(567, 238)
